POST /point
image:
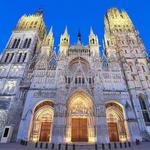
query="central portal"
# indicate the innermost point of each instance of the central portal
(79, 130)
(80, 120)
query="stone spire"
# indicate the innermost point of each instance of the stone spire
(93, 42)
(49, 40)
(48, 43)
(64, 41)
(79, 38)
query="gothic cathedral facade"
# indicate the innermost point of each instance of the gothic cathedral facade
(77, 95)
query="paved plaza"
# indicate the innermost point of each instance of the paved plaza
(16, 146)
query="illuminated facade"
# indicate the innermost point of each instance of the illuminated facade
(77, 95)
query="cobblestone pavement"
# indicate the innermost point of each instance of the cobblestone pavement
(16, 146)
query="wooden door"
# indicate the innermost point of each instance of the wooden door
(79, 130)
(113, 132)
(45, 131)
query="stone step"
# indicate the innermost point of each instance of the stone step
(78, 147)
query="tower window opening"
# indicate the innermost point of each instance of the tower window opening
(83, 81)
(65, 79)
(108, 43)
(19, 57)
(15, 41)
(31, 23)
(76, 81)
(144, 110)
(131, 68)
(25, 43)
(79, 80)
(7, 55)
(29, 42)
(12, 55)
(90, 81)
(24, 58)
(17, 44)
(36, 23)
(143, 68)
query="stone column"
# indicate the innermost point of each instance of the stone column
(133, 130)
(58, 131)
(101, 124)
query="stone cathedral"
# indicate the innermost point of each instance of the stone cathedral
(77, 95)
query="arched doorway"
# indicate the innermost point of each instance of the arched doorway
(42, 122)
(80, 119)
(115, 122)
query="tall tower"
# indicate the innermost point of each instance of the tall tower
(64, 42)
(19, 51)
(123, 40)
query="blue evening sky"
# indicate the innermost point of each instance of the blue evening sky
(76, 14)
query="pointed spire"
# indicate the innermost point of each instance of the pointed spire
(49, 39)
(64, 41)
(51, 30)
(65, 37)
(50, 34)
(91, 31)
(66, 31)
(79, 38)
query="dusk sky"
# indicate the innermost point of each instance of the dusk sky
(76, 14)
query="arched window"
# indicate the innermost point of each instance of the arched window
(144, 109)
(92, 41)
